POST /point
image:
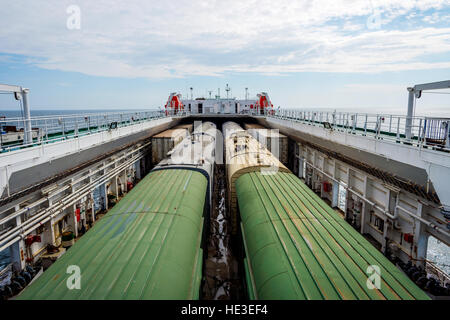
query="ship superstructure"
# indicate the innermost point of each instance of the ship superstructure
(261, 104)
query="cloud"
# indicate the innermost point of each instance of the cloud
(173, 39)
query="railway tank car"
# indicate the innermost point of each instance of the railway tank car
(148, 246)
(296, 246)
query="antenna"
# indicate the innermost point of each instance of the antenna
(210, 94)
(218, 93)
(246, 93)
(192, 96)
(227, 89)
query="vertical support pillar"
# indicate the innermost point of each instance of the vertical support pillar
(408, 124)
(322, 192)
(335, 191)
(364, 209)
(49, 233)
(301, 164)
(104, 195)
(119, 181)
(92, 207)
(347, 193)
(91, 194)
(138, 169)
(384, 241)
(72, 221)
(387, 207)
(313, 172)
(335, 195)
(420, 239)
(17, 250)
(116, 189)
(364, 214)
(27, 137)
(447, 135)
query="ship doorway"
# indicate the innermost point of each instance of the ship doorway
(236, 108)
(200, 108)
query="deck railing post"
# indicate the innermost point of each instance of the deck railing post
(447, 134)
(420, 134)
(398, 128)
(46, 130)
(390, 123)
(365, 124)
(334, 119)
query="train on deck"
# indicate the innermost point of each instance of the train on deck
(149, 245)
(295, 245)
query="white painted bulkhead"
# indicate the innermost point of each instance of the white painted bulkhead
(51, 211)
(217, 106)
(376, 208)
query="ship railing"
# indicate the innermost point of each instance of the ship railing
(178, 113)
(428, 132)
(49, 129)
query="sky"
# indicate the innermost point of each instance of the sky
(354, 55)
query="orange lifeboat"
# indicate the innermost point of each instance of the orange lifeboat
(174, 104)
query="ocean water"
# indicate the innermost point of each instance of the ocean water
(36, 113)
(4, 258)
(398, 111)
(69, 121)
(5, 275)
(439, 253)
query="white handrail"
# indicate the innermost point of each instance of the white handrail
(61, 125)
(427, 131)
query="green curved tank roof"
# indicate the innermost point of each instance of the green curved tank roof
(298, 247)
(146, 247)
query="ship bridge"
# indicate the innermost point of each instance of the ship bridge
(389, 175)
